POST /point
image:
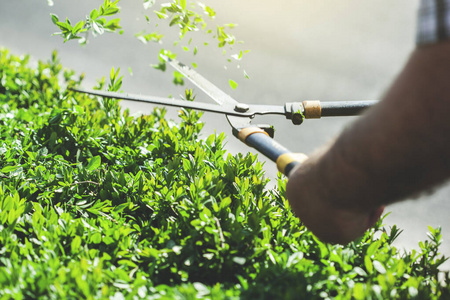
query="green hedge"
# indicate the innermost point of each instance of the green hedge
(95, 203)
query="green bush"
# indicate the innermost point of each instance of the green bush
(95, 203)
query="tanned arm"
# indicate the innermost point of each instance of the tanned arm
(397, 149)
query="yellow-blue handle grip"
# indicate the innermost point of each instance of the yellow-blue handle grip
(257, 138)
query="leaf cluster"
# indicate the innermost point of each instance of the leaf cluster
(96, 23)
(95, 203)
(185, 16)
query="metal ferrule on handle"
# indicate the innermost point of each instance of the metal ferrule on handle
(257, 138)
(316, 109)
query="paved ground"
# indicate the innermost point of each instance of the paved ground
(300, 49)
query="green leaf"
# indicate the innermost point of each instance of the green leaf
(98, 28)
(96, 238)
(161, 15)
(372, 248)
(55, 19)
(358, 291)
(239, 260)
(94, 14)
(94, 163)
(112, 25)
(64, 26)
(368, 264)
(78, 27)
(233, 84)
(183, 4)
(75, 245)
(360, 271)
(110, 11)
(413, 292)
(178, 78)
(225, 202)
(379, 267)
(8, 169)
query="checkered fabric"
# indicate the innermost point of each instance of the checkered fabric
(433, 24)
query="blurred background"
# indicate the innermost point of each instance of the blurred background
(300, 50)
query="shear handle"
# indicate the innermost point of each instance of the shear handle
(257, 138)
(316, 109)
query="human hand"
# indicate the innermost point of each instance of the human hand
(329, 221)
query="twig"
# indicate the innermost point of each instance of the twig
(221, 237)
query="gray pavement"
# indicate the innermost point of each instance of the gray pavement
(300, 49)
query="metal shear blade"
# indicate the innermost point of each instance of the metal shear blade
(240, 115)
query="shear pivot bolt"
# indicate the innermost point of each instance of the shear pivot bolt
(241, 107)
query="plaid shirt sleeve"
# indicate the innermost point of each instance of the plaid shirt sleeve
(433, 24)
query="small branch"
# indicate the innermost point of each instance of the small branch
(221, 237)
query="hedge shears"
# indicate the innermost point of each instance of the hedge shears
(240, 115)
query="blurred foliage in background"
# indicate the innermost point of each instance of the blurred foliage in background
(191, 20)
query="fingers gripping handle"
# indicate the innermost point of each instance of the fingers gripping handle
(288, 161)
(257, 138)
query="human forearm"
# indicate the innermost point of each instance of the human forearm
(402, 146)
(398, 148)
